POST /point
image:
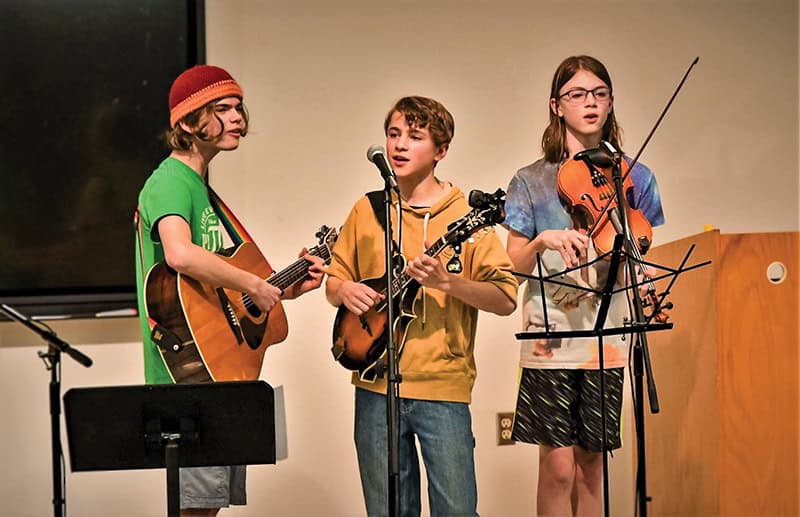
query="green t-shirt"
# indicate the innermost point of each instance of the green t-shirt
(172, 189)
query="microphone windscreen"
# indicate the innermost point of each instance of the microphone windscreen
(596, 156)
(374, 151)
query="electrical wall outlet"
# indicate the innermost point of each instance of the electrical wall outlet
(505, 421)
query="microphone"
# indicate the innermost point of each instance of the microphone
(610, 149)
(596, 156)
(377, 155)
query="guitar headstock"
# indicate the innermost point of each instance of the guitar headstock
(326, 236)
(487, 210)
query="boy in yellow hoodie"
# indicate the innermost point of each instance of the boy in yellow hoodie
(437, 364)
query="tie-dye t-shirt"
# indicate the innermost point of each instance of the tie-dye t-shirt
(532, 206)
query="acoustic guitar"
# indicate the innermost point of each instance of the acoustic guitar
(207, 333)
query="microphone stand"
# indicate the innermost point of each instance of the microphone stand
(52, 361)
(641, 352)
(394, 378)
(610, 157)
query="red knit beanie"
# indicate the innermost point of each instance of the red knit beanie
(198, 86)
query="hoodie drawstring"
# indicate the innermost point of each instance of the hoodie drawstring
(424, 240)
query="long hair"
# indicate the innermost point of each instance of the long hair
(554, 139)
(180, 140)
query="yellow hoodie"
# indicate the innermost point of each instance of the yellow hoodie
(437, 362)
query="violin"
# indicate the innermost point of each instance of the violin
(586, 187)
(590, 197)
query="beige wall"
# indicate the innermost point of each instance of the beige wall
(318, 78)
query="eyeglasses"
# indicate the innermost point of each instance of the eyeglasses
(578, 95)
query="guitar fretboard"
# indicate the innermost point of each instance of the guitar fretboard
(297, 269)
(292, 273)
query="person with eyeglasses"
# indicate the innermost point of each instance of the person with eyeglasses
(558, 402)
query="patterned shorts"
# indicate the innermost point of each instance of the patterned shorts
(561, 408)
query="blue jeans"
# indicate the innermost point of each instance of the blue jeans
(444, 431)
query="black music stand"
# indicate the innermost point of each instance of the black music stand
(639, 325)
(172, 426)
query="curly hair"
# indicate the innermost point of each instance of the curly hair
(423, 112)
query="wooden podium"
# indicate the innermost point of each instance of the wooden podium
(726, 439)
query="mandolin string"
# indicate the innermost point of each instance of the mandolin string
(440, 245)
(404, 279)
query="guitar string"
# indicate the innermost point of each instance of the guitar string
(291, 274)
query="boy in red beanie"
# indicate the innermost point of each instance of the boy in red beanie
(178, 224)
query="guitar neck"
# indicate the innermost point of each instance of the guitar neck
(297, 270)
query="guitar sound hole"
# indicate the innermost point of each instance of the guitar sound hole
(252, 308)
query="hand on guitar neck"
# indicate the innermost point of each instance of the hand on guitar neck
(311, 281)
(263, 294)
